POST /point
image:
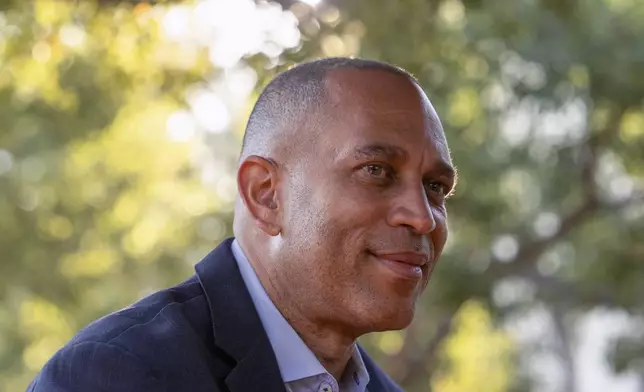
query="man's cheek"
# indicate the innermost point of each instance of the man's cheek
(438, 239)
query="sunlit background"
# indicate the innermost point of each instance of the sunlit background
(121, 121)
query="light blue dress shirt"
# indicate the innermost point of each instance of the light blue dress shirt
(300, 369)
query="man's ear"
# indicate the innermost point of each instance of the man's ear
(257, 179)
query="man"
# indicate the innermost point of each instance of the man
(340, 219)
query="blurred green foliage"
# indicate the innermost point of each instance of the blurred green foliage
(113, 183)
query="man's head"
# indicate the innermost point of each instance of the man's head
(343, 179)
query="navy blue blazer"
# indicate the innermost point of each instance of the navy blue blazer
(202, 335)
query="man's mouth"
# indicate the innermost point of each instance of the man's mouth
(408, 265)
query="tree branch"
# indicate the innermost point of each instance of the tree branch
(566, 291)
(425, 362)
(591, 149)
(563, 347)
(529, 252)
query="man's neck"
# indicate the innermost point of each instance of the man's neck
(330, 345)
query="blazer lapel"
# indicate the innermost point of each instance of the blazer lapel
(375, 382)
(255, 372)
(237, 327)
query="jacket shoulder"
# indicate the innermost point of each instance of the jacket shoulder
(111, 369)
(140, 317)
(164, 334)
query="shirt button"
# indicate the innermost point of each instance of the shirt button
(324, 387)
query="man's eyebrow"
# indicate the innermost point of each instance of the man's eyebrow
(447, 170)
(392, 152)
(380, 150)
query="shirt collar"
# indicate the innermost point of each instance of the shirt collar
(294, 358)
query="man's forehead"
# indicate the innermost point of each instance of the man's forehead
(369, 107)
(378, 96)
(392, 128)
(394, 143)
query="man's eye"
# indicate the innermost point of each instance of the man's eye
(376, 171)
(437, 188)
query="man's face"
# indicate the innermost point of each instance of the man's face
(364, 219)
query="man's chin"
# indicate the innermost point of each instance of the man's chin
(394, 320)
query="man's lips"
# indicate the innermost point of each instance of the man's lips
(415, 259)
(407, 265)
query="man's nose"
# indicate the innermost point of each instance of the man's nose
(412, 209)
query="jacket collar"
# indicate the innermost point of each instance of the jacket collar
(237, 327)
